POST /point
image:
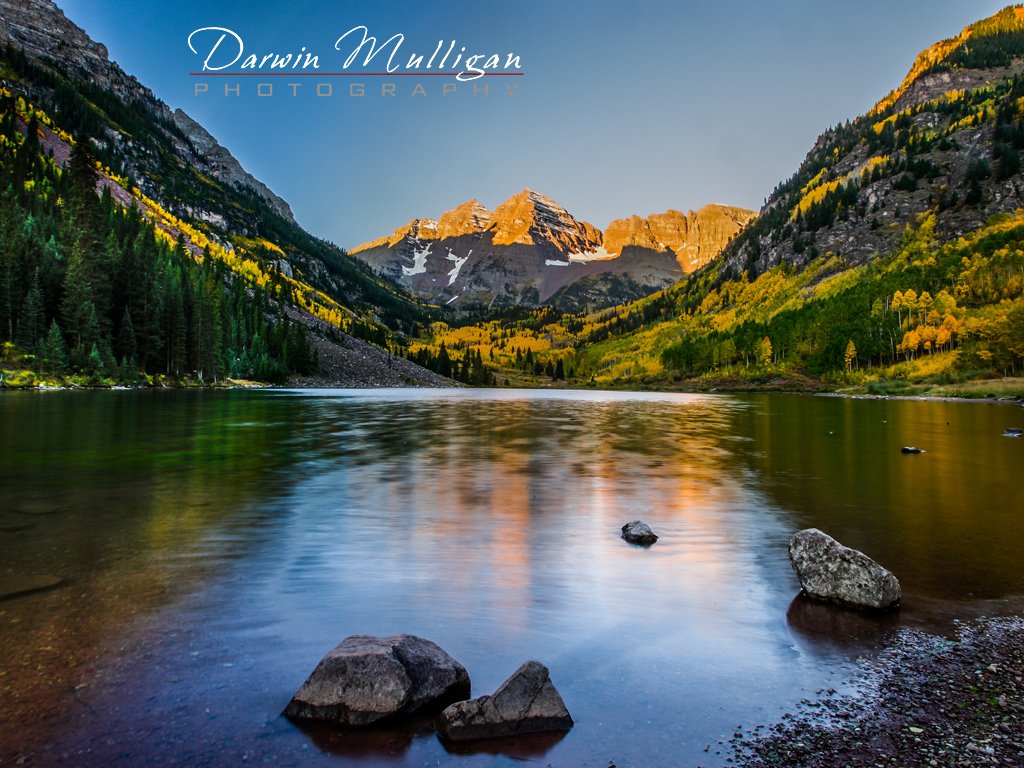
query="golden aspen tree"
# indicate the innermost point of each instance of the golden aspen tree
(763, 352)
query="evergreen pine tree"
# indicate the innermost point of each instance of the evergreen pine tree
(126, 337)
(52, 357)
(77, 297)
(31, 324)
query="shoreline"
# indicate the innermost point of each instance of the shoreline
(308, 384)
(926, 701)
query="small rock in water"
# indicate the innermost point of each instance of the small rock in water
(367, 679)
(829, 571)
(637, 532)
(911, 449)
(525, 703)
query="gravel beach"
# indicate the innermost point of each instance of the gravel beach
(924, 701)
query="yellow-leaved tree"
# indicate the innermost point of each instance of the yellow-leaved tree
(763, 352)
(850, 355)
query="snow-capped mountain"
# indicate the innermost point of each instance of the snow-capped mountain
(530, 251)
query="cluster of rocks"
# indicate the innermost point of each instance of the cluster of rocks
(369, 680)
(828, 571)
(347, 362)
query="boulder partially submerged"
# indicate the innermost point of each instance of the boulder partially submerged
(831, 572)
(367, 679)
(525, 703)
(638, 532)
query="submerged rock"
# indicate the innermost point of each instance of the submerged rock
(20, 585)
(525, 703)
(367, 679)
(829, 571)
(637, 532)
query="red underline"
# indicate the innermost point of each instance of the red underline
(354, 74)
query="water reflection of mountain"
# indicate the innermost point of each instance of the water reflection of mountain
(539, 485)
(218, 543)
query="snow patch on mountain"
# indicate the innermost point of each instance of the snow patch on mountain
(454, 273)
(419, 261)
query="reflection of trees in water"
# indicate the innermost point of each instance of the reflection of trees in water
(443, 431)
(835, 463)
(120, 492)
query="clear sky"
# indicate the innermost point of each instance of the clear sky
(626, 106)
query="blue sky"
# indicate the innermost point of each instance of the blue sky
(625, 106)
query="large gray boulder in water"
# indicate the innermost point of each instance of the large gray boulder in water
(829, 571)
(525, 703)
(367, 679)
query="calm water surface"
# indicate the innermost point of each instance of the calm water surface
(212, 546)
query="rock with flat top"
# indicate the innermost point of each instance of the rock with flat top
(525, 703)
(367, 679)
(831, 572)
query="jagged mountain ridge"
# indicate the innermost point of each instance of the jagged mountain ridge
(943, 142)
(175, 161)
(530, 250)
(695, 237)
(43, 31)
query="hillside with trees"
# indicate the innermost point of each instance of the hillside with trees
(893, 257)
(125, 259)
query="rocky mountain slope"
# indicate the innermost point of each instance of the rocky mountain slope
(695, 238)
(892, 258)
(946, 141)
(530, 251)
(43, 32)
(182, 179)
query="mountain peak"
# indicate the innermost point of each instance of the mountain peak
(41, 30)
(530, 218)
(694, 237)
(466, 219)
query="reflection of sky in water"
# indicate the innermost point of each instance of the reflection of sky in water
(490, 523)
(238, 536)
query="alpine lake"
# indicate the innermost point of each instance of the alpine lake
(173, 564)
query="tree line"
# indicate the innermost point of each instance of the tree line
(90, 288)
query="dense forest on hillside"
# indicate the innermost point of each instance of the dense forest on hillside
(89, 289)
(929, 311)
(142, 148)
(893, 255)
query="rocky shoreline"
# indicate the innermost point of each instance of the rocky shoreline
(924, 701)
